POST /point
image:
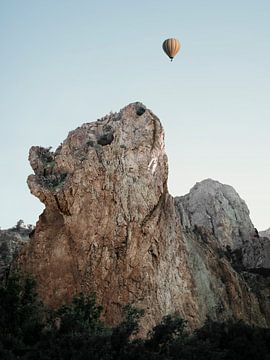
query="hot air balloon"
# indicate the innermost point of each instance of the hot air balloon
(171, 47)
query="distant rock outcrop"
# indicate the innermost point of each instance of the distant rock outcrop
(220, 210)
(265, 233)
(111, 227)
(11, 241)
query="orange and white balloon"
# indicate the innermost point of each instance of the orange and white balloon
(171, 47)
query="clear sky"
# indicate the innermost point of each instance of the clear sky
(66, 62)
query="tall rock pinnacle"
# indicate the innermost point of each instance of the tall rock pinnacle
(109, 226)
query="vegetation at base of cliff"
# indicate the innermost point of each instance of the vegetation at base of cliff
(28, 330)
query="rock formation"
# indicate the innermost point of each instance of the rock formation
(225, 251)
(220, 210)
(11, 241)
(265, 233)
(111, 227)
(256, 256)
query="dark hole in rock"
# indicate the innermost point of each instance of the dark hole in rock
(140, 111)
(90, 143)
(261, 271)
(105, 139)
(31, 234)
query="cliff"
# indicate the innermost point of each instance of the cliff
(229, 259)
(111, 227)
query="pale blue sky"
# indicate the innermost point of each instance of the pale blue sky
(66, 62)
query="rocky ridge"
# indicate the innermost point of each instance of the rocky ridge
(111, 227)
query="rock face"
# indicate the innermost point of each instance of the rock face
(265, 233)
(111, 227)
(219, 209)
(11, 241)
(256, 256)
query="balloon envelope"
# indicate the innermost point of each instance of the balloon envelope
(171, 47)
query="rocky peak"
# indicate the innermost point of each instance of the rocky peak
(109, 153)
(219, 209)
(109, 225)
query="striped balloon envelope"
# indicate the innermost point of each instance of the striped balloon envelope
(171, 47)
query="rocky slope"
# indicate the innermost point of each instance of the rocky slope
(11, 241)
(111, 227)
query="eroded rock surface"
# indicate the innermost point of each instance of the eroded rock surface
(111, 227)
(225, 289)
(219, 209)
(256, 256)
(265, 233)
(225, 251)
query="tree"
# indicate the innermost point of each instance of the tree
(129, 326)
(21, 315)
(170, 330)
(81, 316)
